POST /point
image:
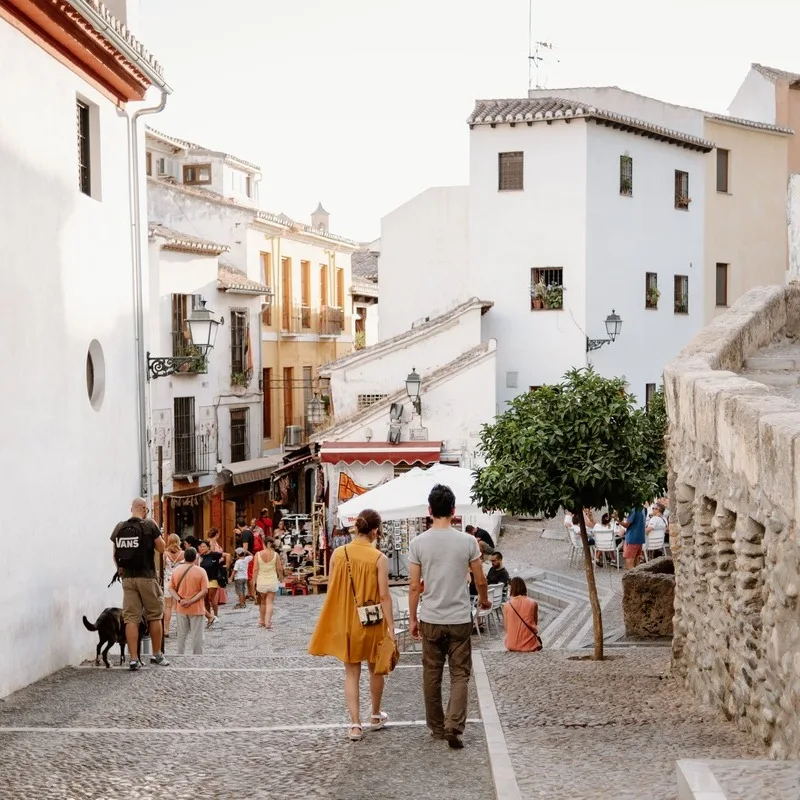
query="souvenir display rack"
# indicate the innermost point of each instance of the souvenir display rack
(397, 535)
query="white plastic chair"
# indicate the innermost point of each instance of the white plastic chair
(655, 541)
(576, 543)
(604, 542)
(495, 592)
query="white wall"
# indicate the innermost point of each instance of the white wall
(385, 372)
(73, 470)
(512, 232)
(755, 99)
(423, 265)
(629, 236)
(620, 101)
(184, 273)
(794, 227)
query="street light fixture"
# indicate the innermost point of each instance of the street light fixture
(203, 336)
(413, 388)
(315, 411)
(613, 329)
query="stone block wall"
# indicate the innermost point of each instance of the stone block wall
(648, 598)
(734, 472)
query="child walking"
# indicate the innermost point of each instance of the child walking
(240, 568)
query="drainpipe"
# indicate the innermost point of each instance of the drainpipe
(138, 295)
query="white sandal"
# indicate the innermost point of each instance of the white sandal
(356, 737)
(382, 718)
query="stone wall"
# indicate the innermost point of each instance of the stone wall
(648, 598)
(732, 450)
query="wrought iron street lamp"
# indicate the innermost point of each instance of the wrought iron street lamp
(203, 336)
(413, 388)
(613, 329)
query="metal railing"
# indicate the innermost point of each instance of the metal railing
(291, 319)
(191, 454)
(331, 321)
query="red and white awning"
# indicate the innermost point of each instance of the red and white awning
(380, 452)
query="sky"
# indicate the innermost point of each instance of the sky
(361, 104)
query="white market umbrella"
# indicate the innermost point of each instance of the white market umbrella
(406, 496)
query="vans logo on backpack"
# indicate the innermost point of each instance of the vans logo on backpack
(130, 541)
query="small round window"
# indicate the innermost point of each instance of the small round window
(95, 374)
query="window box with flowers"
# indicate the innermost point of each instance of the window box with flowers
(241, 379)
(652, 297)
(547, 288)
(682, 201)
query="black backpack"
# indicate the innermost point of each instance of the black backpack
(132, 547)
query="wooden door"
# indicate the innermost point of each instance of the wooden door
(228, 539)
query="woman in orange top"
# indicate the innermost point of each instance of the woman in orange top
(359, 577)
(521, 619)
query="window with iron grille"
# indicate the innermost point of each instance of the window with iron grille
(267, 405)
(722, 285)
(181, 340)
(651, 293)
(681, 294)
(649, 392)
(239, 343)
(626, 176)
(185, 444)
(510, 172)
(84, 148)
(547, 288)
(723, 158)
(682, 198)
(366, 400)
(239, 437)
(196, 174)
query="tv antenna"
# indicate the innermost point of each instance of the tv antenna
(538, 52)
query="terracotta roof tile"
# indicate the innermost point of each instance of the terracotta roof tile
(365, 263)
(230, 279)
(776, 74)
(175, 240)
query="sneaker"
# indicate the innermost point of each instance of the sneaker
(135, 665)
(160, 659)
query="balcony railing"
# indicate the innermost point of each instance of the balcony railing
(331, 321)
(292, 319)
(184, 349)
(192, 455)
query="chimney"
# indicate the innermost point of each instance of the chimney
(320, 219)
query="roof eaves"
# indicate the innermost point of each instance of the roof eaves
(175, 240)
(748, 123)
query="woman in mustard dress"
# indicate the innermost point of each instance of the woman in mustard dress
(339, 631)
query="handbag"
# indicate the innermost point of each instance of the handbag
(367, 615)
(538, 638)
(387, 656)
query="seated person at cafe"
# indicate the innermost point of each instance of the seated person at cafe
(497, 573)
(480, 534)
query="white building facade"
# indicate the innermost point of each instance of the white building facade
(67, 214)
(595, 207)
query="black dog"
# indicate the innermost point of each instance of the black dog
(111, 629)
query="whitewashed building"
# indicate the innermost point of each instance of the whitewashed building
(73, 241)
(579, 206)
(206, 416)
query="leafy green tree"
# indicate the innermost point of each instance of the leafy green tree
(580, 444)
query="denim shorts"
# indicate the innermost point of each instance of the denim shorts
(240, 584)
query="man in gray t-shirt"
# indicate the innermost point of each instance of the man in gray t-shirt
(440, 561)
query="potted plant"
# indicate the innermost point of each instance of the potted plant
(682, 201)
(360, 340)
(240, 379)
(626, 186)
(199, 362)
(326, 401)
(555, 297)
(539, 292)
(652, 297)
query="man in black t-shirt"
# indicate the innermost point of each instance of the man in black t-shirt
(135, 541)
(498, 573)
(480, 534)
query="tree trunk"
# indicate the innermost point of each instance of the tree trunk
(597, 614)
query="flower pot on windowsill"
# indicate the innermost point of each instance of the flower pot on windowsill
(538, 303)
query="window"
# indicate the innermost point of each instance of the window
(366, 400)
(286, 292)
(722, 285)
(266, 269)
(148, 163)
(181, 341)
(239, 437)
(196, 174)
(651, 293)
(547, 288)
(723, 157)
(248, 186)
(288, 399)
(240, 347)
(682, 198)
(308, 394)
(681, 294)
(626, 176)
(84, 148)
(267, 404)
(649, 391)
(339, 288)
(185, 445)
(323, 284)
(510, 172)
(305, 293)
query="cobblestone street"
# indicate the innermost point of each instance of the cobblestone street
(255, 717)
